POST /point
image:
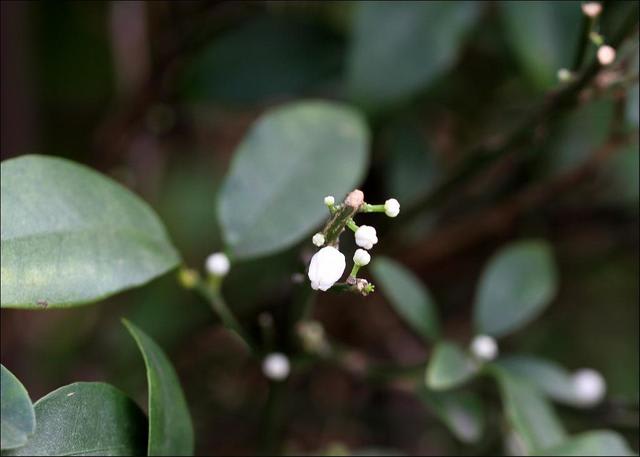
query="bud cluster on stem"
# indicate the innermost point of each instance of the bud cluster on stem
(328, 264)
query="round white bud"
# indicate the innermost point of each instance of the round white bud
(564, 75)
(484, 347)
(329, 200)
(361, 257)
(366, 236)
(590, 387)
(276, 367)
(606, 54)
(318, 239)
(392, 207)
(591, 9)
(326, 268)
(217, 264)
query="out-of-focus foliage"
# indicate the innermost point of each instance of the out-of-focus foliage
(232, 120)
(270, 199)
(18, 419)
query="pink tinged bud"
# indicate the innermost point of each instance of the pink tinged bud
(591, 9)
(606, 55)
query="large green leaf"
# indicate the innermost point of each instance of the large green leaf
(170, 427)
(551, 378)
(18, 421)
(461, 412)
(543, 35)
(594, 443)
(293, 57)
(86, 418)
(72, 236)
(449, 367)
(398, 48)
(517, 284)
(291, 158)
(408, 296)
(528, 412)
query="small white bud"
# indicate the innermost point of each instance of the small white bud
(564, 75)
(484, 347)
(606, 55)
(276, 367)
(318, 239)
(217, 264)
(590, 387)
(591, 9)
(326, 268)
(361, 257)
(366, 236)
(329, 200)
(392, 207)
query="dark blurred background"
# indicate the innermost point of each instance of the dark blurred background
(158, 94)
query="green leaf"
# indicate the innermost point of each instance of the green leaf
(72, 236)
(551, 378)
(293, 56)
(408, 296)
(86, 418)
(290, 160)
(515, 287)
(543, 35)
(170, 427)
(18, 419)
(528, 412)
(461, 412)
(399, 48)
(449, 367)
(595, 443)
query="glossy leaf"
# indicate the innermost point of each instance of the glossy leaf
(72, 236)
(594, 443)
(461, 412)
(528, 412)
(408, 296)
(544, 36)
(289, 161)
(170, 427)
(449, 366)
(293, 57)
(399, 48)
(18, 419)
(515, 287)
(551, 378)
(86, 418)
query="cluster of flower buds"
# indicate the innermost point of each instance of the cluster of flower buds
(328, 264)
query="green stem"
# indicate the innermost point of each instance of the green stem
(352, 225)
(211, 292)
(354, 271)
(367, 208)
(272, 418)
(337, 223)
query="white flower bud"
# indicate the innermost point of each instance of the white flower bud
(329, 200)
(591, 9)
(392, 207)
(366, 236)
(564, 75)
(326, 268)
(318, 239)
(590, 387)
(484, 347)
(276, 367)
(217, 264)
(606, 55)
(361, 257)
